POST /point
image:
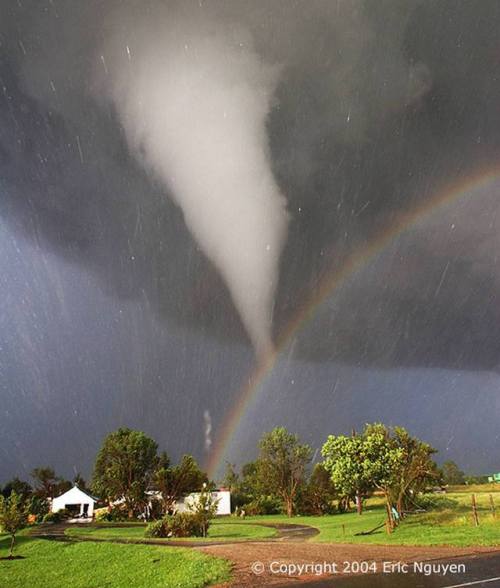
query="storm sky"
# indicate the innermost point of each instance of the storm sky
(178, 180)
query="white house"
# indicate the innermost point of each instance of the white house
(223, 498)
(78, 502)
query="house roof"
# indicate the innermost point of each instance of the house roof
(75, 493)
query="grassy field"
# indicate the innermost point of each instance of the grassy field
(107, 565)
(220, 530)
(448, 521)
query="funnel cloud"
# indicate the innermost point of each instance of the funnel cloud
(194, 101)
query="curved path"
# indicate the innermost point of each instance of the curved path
(289, 532)
(285, 532)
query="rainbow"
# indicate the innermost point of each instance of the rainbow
(450, 194)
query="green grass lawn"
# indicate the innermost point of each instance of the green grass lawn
(107, 565)
(448, 524)
(220, 530)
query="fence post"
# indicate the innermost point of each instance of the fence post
(474, 511)
(492, 506)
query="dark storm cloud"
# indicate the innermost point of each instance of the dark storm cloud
(376, 106)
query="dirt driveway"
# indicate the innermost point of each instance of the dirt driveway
(244, 556)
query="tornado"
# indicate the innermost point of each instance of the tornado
(193, 100)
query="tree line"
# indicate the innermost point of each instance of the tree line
(281, 479)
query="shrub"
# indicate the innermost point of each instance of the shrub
(264, 505)
(157, 529)
(111, 515)
(181, 524)
(51, 517)
(56, 517)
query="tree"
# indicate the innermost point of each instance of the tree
(359, 463)
(319, 492)
(204, 507)
(124, 468)
(281, 465)
(252, 486)
(173, 482)
(46, 482)
(20, 487)
(13, 517)
(38, 506)
(79, 481)
(452, 474)
(476, 480)
(344, 460)
(390, 460)
(231, 479)
(382, 461)
(248, 492)
(416, 468)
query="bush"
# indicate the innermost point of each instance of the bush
(111, 515)
(56, 517)
(181, 524)
(157, 529)
(264, 505)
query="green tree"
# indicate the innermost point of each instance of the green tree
(319, 493)
(124, 468)
(383, 461)
(281, 465)
(173, 482)
(204, 507)
(248, 492)
(13, 517)
(416, 468)
(390, 460)
(251, 485)
(20, 487)
(344, 459)
(452, 474)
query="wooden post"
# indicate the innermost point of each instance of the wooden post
(343, 530)
(474, 511)
(492, 506)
